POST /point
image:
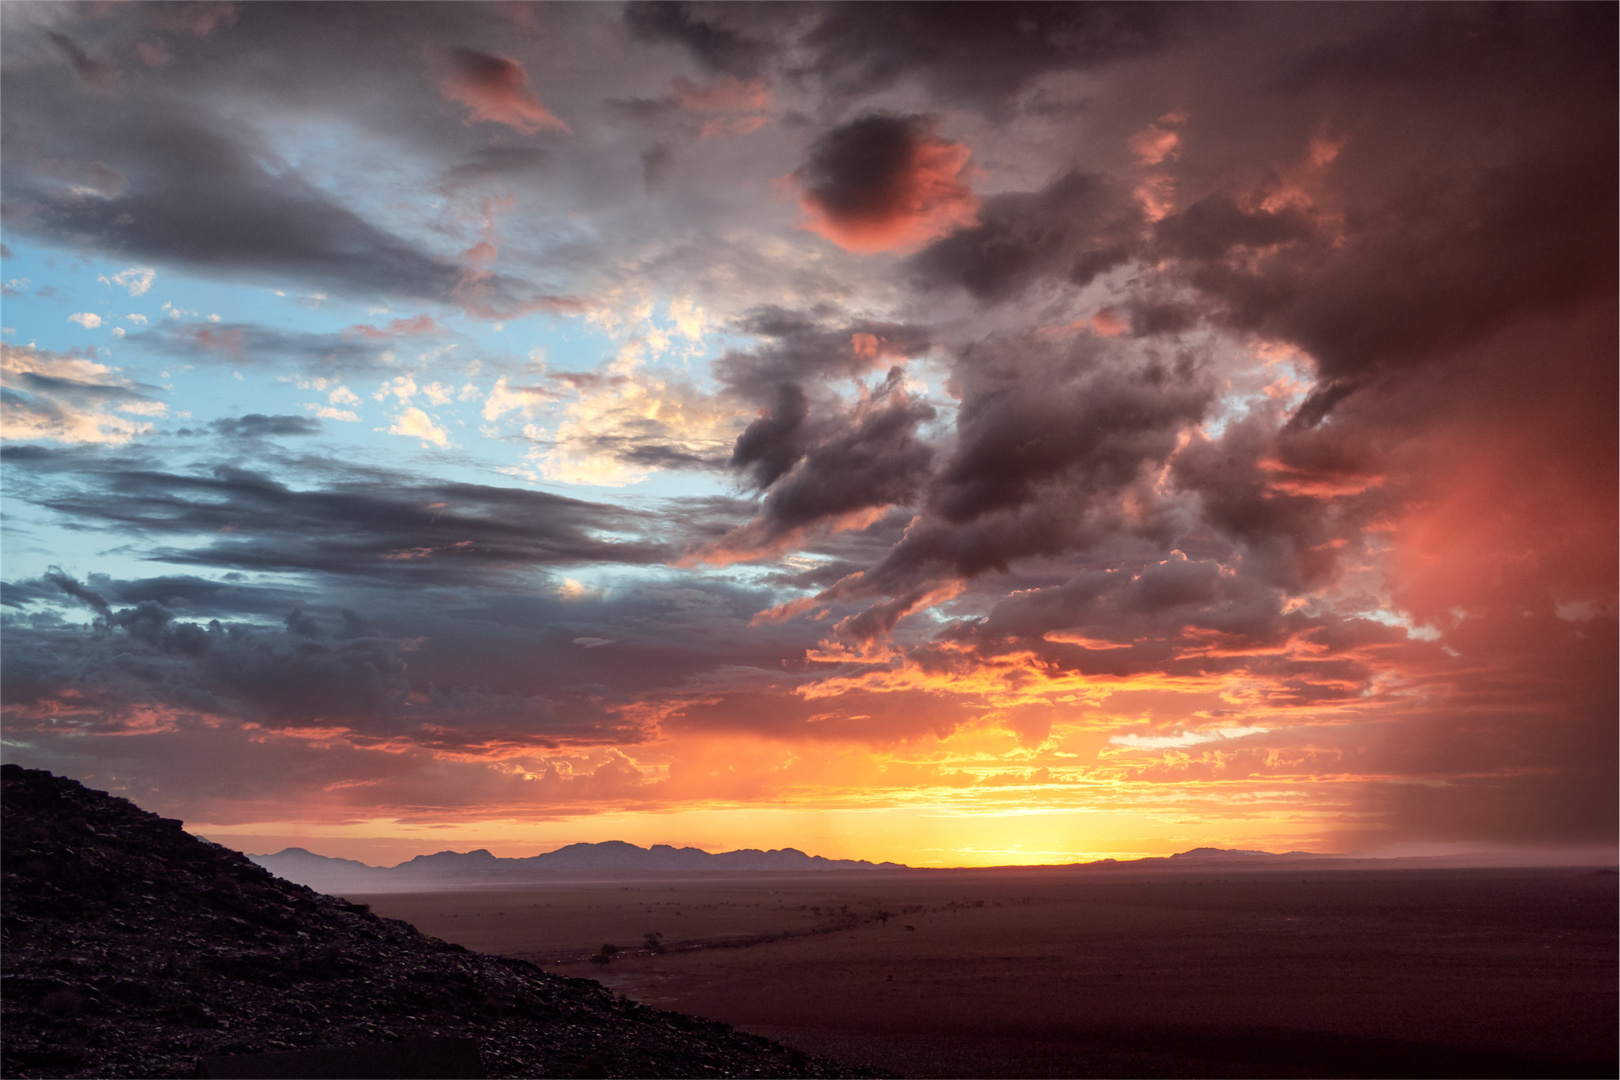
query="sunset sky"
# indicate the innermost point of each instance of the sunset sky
(954, 434)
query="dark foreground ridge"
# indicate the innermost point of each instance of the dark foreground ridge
(134, 949)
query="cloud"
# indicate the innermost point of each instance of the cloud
(715, 36)
(490, 162)
(885, 182)
(724, 94)
(1073, 230)
(496, 89)
(859, 467)
(628, 421)
(199, 19)
(656, 162)
(1159, 140)
(375, 669)
(504, 398)
(64, 398)
(1056, 448)
(258, 426)
(980, 54)
(146, 656)
(154, 53)
(137, 279)
(231, 518)
(208, 203)
(88, 320)
(1254, 374)
(420, 324)
(985, 54)
(416, 424)
(237, 344)
(815, 346)
(96, 76)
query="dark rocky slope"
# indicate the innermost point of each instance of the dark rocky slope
(131, 948)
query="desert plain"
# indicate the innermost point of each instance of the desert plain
(1053, 972)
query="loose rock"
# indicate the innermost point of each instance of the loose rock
(130, 948)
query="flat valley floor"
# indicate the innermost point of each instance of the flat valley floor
(1055, 972)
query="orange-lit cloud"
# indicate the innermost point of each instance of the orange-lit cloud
(1160, 140)
(496, 89)
(885, 183)
(64, 398)
(1241, 477)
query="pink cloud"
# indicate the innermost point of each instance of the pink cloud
(725, 94)
(420, 324)
(497, 90)
(886, 183)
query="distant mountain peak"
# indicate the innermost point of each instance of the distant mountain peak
(447, 867)
(1222, 853)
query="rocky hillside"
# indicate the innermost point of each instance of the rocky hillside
(131, 948)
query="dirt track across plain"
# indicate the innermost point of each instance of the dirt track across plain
(1062, 972)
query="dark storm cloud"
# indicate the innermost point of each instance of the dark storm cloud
(981, 54)
(144, 655)
(1074, 229)
(1288, 535)
(1494, 247)
(243, 344)
(726, 38)
(885, 182)
(199, 598)
(163, 171)
(810, 346)
(1147, 604)
(1028, 421)
(1439, 44)
(469, 671)
(1530, 239)
(1427, 251)
(642, 445)
(1419, 199)
(1192, 618)
(97, 75)
(260, 426)
(89, 597)
(656, 162)
(816, 457)
(193, 197)
(775, 442)
(1436, 253)
(984, 54)
(873, 459)
(861, 171)
(1215, 225)
(387, 528)
(1048, 439)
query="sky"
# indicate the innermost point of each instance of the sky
(951, 434)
